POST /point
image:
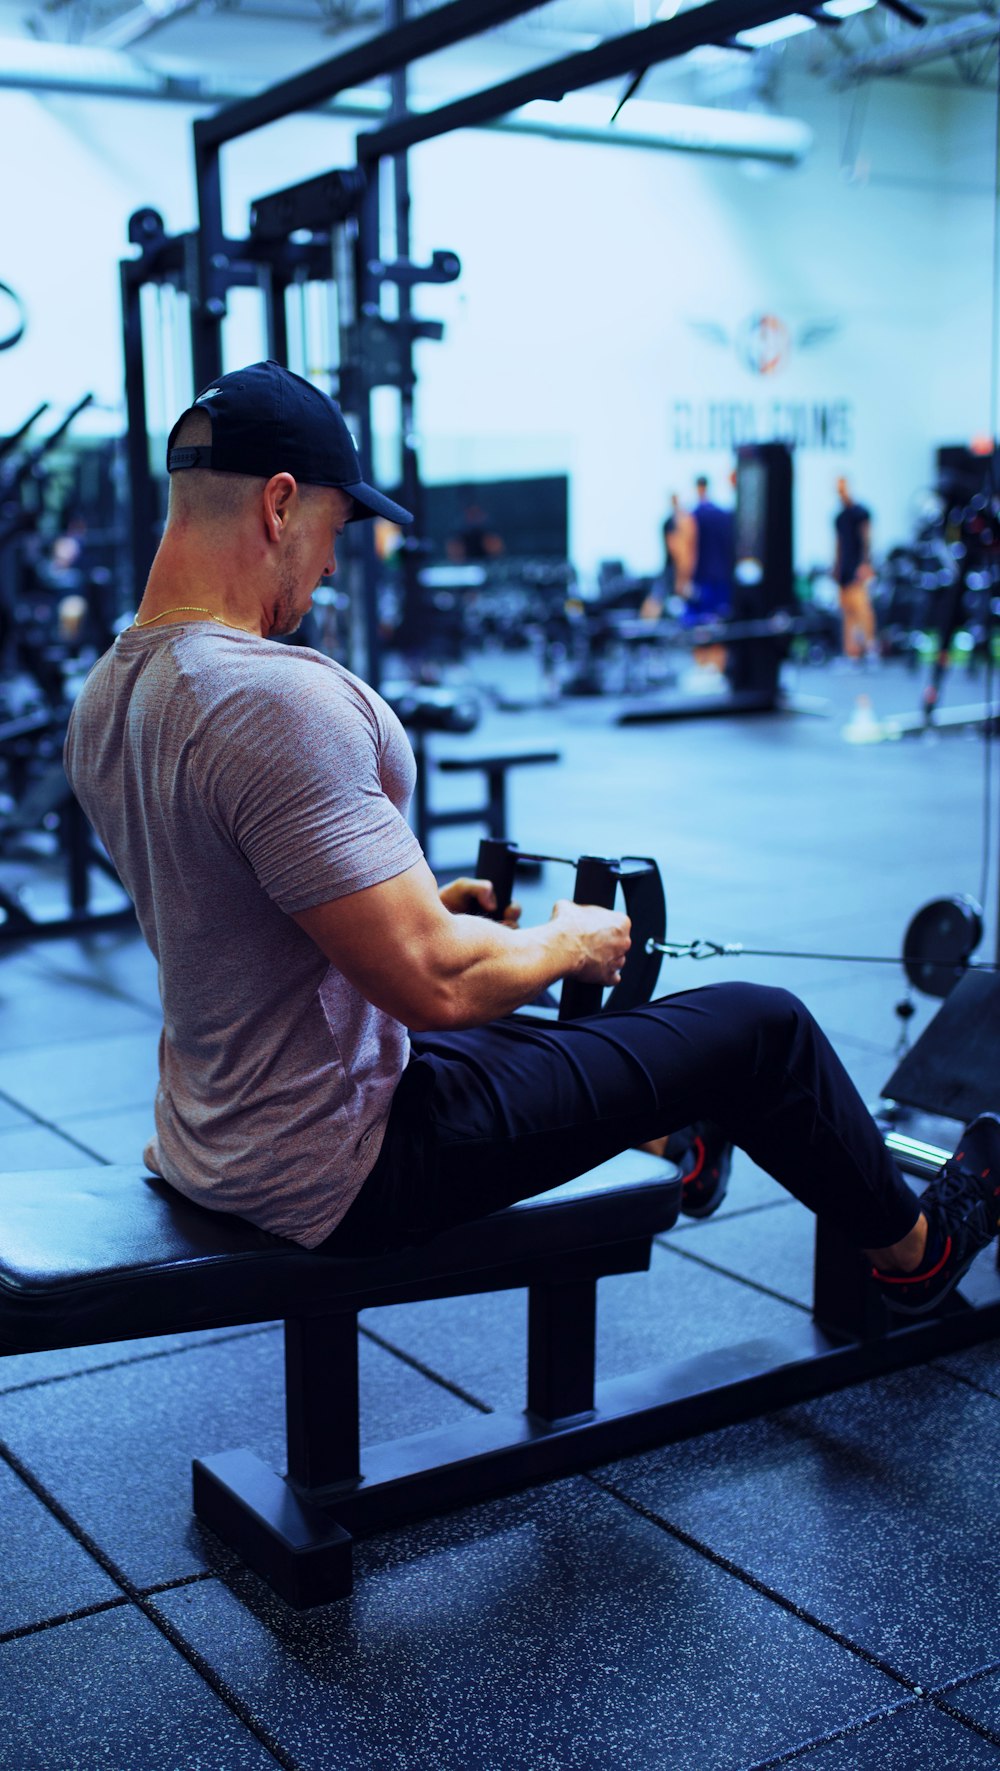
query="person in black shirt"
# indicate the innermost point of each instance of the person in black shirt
(853, 572)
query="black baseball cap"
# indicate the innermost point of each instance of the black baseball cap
(266, 420)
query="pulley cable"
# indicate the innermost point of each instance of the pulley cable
(704, 949)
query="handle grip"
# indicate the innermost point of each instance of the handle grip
(597, 881)
(496, 862)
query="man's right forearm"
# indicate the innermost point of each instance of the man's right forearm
(487, 971)
(432, 969)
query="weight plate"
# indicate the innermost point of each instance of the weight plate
(939, 942)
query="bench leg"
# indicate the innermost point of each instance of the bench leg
(290, 1543)
(562, 1331)
(844, 1299)
(271, 1521)
(321, 1400)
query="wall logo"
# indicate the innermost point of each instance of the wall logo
(764, 343)
(13, 318)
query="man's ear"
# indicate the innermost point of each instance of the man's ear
(279, 496)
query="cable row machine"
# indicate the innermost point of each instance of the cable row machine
(332, 228)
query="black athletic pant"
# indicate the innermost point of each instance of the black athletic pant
(496, 1113)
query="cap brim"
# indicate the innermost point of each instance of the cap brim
(369, 503)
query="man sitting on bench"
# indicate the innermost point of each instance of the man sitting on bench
(253, 798)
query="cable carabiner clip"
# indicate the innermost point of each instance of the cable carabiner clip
(699, 949)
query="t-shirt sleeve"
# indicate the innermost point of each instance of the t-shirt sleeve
(299, 790)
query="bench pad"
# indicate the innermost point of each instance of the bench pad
(97, 1254)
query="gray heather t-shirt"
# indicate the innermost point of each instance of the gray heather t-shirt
(234, 780)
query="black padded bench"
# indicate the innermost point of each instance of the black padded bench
(109, 1254)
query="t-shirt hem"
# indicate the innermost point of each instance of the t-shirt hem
(302, 1236)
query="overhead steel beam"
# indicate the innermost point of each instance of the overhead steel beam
(370, 60)
(376, 56)
(932, 43)
(716, 23)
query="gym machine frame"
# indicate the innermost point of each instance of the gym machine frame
(207, 264)
(296, 1530)
(850, 1335)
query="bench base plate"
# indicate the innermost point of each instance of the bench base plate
(299, 1543)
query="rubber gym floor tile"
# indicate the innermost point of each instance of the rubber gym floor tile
(114, 1446)
(918, 1738)
(37, 1146)
(769, 1248)
(553, 1629)
(19, 1371)
(978, 1366)
(979, 1700)
(12, 1117)
(118, 1137)
(46, 1573)
(675, 1311)
(79, 1076)
(864, 1508)
(50, 1012)
(111, 1690)
(119, 961)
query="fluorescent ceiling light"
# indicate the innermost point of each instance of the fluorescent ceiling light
(761, 36)
(846, 8)
(70, 64)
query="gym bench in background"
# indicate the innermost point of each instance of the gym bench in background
(422, 710)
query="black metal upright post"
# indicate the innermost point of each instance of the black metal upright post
(410, 476)
(276, 305)
(411, 492)
(142, 501)
(207, 281)
(357, 371)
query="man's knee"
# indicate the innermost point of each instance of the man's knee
(772, 1019)
(759, 1003)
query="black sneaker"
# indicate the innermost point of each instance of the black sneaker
(704, 1157)
(962, 1208)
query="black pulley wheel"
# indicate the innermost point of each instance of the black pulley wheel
(939, 943)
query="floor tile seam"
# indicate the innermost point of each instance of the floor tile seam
(866, 1047)
(686, 1226)
(700, 1260)
(34, 956)
(427, 1371)
(223, 1690)
(56, 974)
(960, 1680)
(38, 1120)
(64, 1617)
(65, 1518)
(68, 1377)
(147, 1606)
(753, 1581)
(847, 1731)
(960, 1377)
(983, 1729)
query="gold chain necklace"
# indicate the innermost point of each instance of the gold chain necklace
(194, 609)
